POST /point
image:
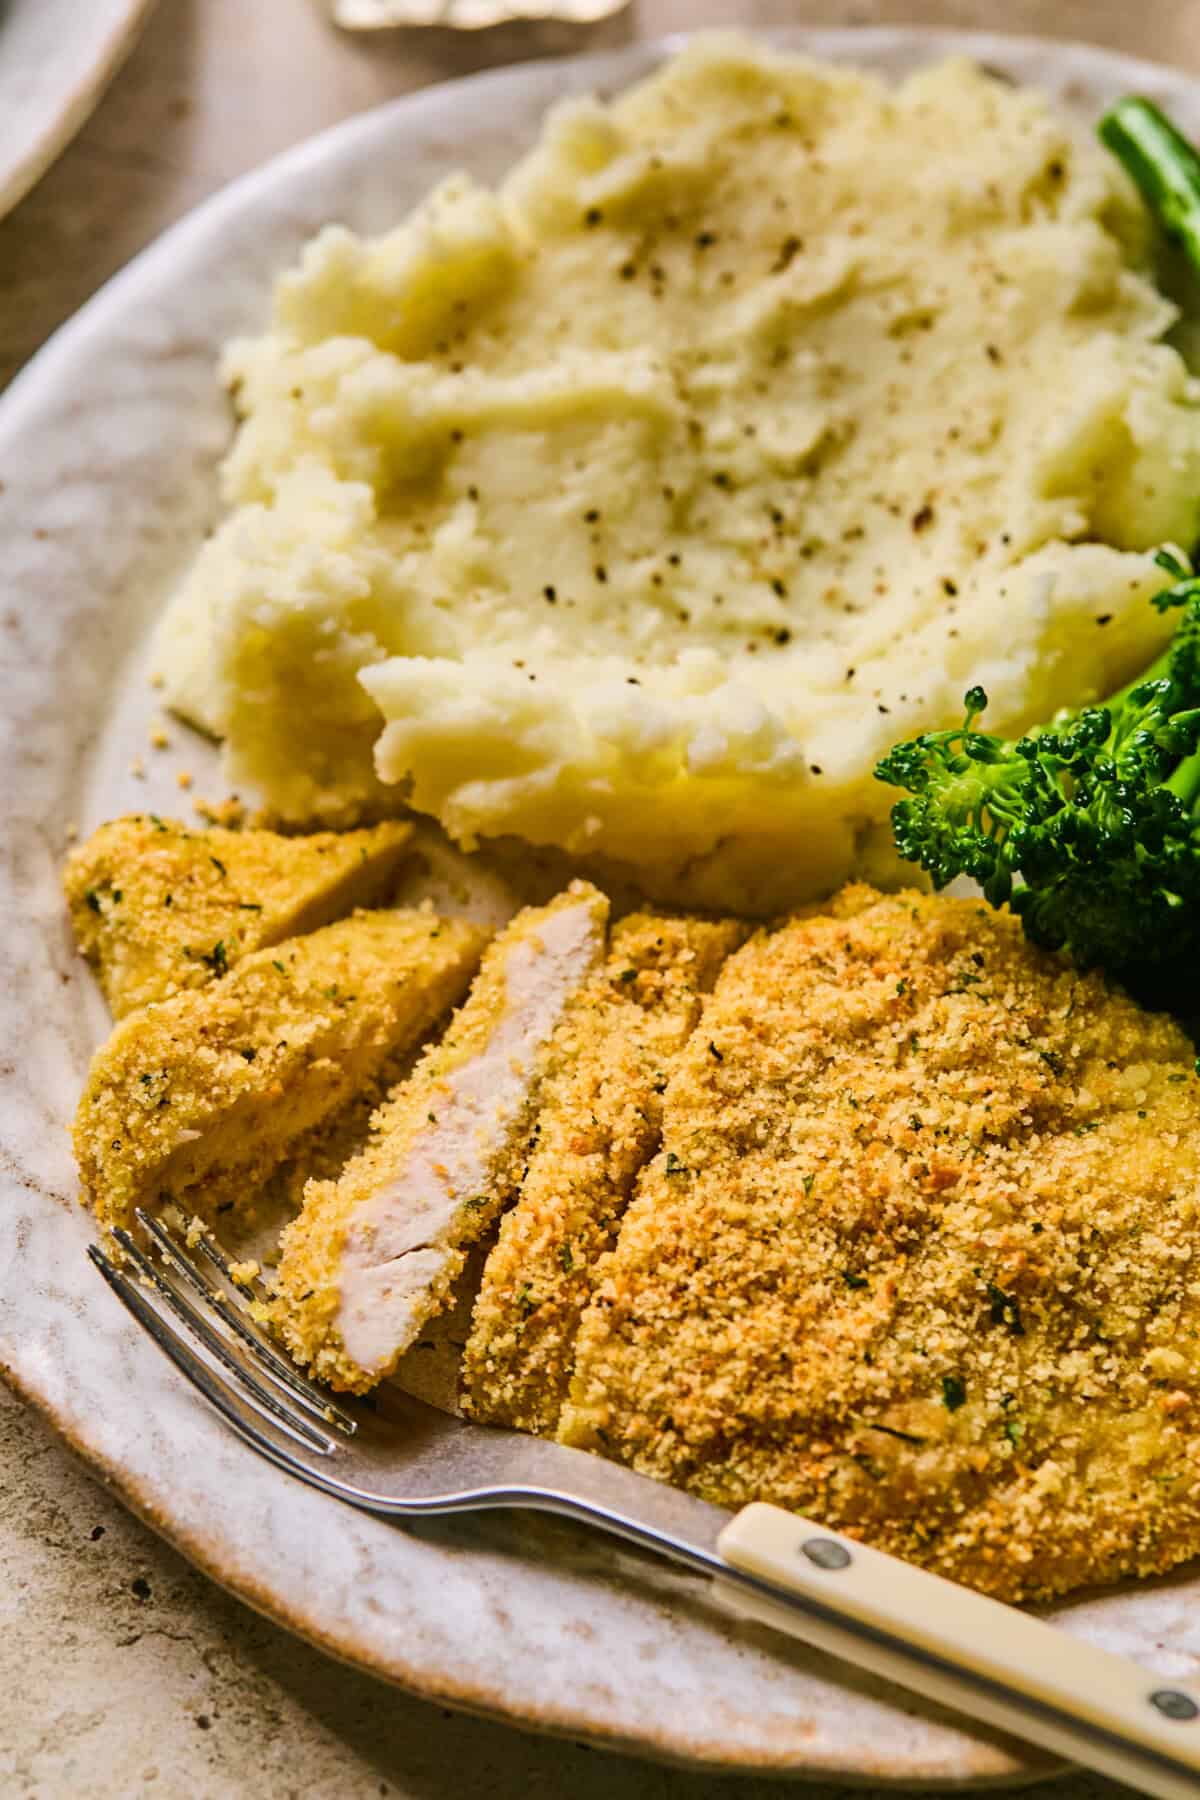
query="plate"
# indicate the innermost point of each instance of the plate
(109, 443)
(56, 59)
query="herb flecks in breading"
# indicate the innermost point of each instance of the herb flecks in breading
(158, 908)
(1010, 1395)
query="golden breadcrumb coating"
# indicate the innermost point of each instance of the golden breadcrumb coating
(598, 1122)
(375, 1254)
(322, 1152)
(157, 908)
(919, 1255)
(245, 1211)
(222, 1080)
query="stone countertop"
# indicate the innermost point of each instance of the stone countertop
(125, 1671)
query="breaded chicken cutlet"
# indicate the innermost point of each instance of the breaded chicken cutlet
(157, 908)
(374, 1254)
(598, 1123)
(918, 1256)
(223, 1080)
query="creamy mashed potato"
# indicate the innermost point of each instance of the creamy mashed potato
(638, 506)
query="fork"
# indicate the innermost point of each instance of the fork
(404, 1459)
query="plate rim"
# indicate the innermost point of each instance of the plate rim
(44, 371)
(584, 1729)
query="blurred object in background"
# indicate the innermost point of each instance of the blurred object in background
(467, 15)
(56, 59)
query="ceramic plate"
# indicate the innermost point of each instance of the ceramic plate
(108, 450)
(56, 58)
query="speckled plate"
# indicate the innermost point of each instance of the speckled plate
(56, 58)
(108, 449)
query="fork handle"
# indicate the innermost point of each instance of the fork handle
(978, 1656)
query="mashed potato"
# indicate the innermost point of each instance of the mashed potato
(638, 506)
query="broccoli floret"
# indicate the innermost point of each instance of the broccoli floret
(1087, 827)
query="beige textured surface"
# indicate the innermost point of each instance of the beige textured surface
(127, 1673)
(124, 1671)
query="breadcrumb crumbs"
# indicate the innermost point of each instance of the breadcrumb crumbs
(157, 907)
(919, 1256)
(598, 1123)
(222, 1080)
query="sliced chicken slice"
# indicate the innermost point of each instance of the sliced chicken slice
(223, 1080)
(375, 1253)
(157, 908)
(598, 1123)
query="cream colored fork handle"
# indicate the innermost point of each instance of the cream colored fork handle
(983, 1659)
(980, 1657)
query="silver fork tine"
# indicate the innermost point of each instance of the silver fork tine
(231, 1313)
(190, 1366)
(262, 1397)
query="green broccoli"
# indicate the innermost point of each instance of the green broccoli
(1088, 826)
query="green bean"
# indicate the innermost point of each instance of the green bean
(1163, 165)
